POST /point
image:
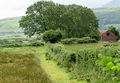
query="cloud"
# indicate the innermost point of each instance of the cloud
(13, 8)
(88, 3)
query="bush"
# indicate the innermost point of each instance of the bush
(52, 36)
(78, 40)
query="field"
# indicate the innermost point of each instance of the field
(29, 65)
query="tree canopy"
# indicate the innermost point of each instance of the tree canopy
(72, 20)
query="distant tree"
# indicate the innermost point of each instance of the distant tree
(115, 31)
(73, 20)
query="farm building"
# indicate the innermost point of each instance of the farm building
(107, 35)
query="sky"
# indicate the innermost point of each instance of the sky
(14, 8)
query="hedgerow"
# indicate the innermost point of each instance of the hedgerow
(78, 40)
(37, 43)
(81, 63)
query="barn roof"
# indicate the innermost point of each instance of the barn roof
(103, 31)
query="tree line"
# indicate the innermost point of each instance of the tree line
(72, 20)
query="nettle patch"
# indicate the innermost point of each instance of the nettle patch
(110, 67)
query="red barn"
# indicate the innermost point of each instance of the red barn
(107, 35)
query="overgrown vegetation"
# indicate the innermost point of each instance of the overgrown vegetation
(110, 68)
(82, 63)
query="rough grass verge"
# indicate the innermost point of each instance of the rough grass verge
(21, 68)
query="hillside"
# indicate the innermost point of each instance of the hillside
(9, 28)
(108, 16)
(10, 25)
(113, 3)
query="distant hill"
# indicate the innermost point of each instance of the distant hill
(108, 16)
(9, 29)
(113, 3)
(10, 25)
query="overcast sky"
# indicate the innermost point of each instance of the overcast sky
(14, 8)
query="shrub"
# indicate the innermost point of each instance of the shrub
(52, 36)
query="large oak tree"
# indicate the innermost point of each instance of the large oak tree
(72, 20)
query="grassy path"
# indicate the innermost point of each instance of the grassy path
(56, 74)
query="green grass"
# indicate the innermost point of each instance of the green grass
(74, 47)
(19, 65)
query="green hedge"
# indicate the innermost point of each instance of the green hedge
(23, 44)
(36, 44)
(78, 40)
(82, 63)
